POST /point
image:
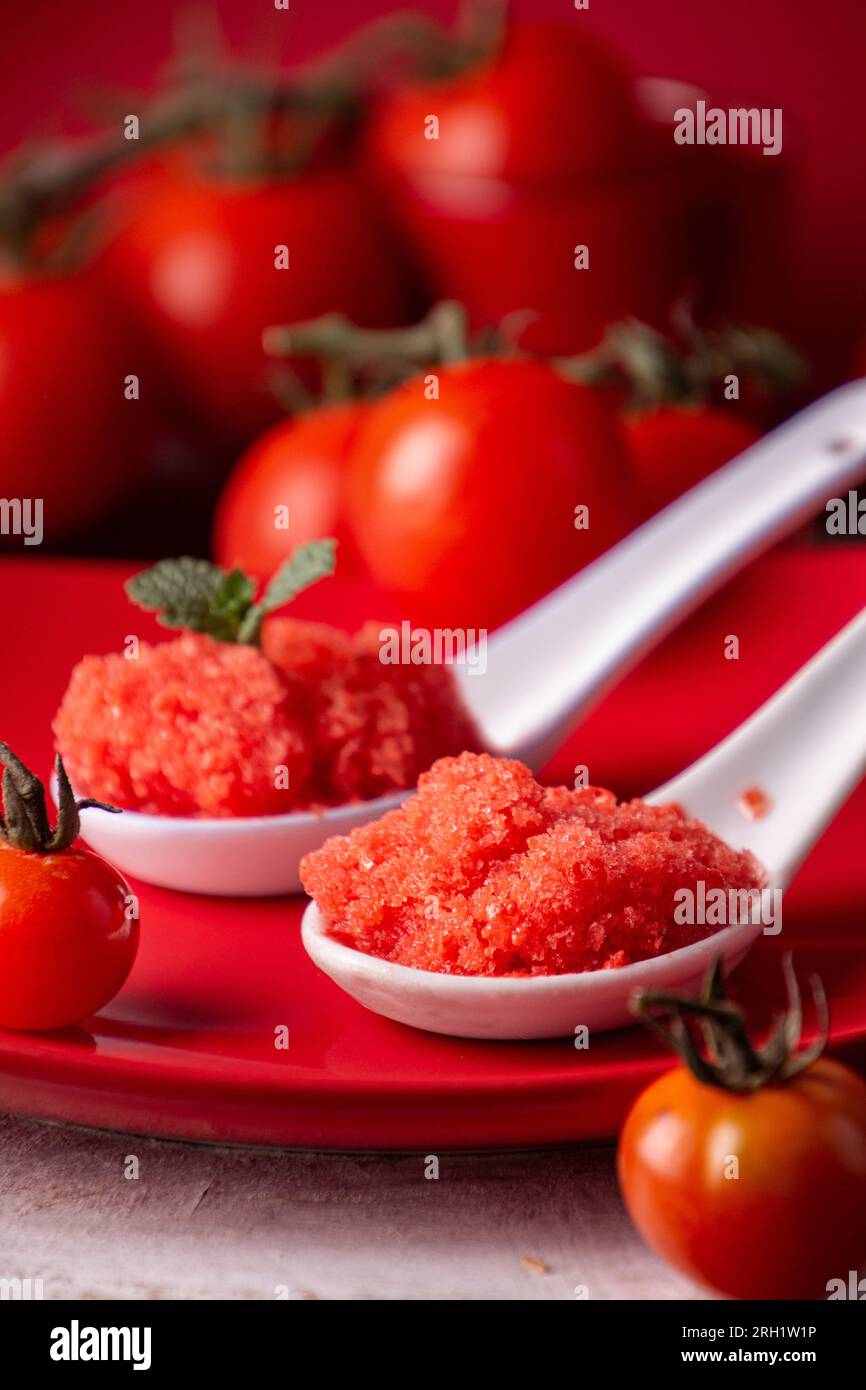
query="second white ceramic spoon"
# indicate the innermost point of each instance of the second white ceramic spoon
(805, 750)
(545, 669)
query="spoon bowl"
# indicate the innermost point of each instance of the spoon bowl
(252, 856)
(514, 1007)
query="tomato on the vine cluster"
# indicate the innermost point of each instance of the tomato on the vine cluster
(466, 492)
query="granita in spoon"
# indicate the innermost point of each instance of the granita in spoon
(485, 872)
(245, 714)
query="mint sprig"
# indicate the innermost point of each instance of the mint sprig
(202, 597)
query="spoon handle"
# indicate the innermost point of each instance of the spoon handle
(804, 750)
(547, 666)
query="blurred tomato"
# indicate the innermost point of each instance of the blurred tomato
(199, 259)
(69, 434)
(536, 153)
(554, 104)
(673, 448)
(467, 503)
(295, 474)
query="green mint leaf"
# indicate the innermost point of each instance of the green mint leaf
(308, 564)
(179, 591)
(193, 594)
(201, 597)
(233, 595)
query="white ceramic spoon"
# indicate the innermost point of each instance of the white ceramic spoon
(547, 667)
(806, 751)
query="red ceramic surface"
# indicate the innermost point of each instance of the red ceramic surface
(187, 1049)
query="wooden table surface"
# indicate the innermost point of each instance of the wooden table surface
(203, 1222)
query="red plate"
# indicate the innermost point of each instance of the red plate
(187, 1050)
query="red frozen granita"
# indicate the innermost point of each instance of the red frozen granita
(485, 872)
(315, 652)
(198, 727)
(212, 724)
(376, 726)
(190, 727)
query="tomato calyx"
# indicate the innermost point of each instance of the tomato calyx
(251, 123)
(729, 1059)
(655, 370)
(39, 188)
(199, 596)
(410, 46)
(685, 368)
(24, 823)
(361, 362)
(44, 184)
(366, 361)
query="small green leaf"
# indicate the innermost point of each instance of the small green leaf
(193, 594)
(201, 597)
(308, 564)
(233, 595)
(179, 591)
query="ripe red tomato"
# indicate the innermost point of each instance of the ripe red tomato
(299, 465)
(554, 103)
(197, 259)
(67, 935)
(536, 152)
(68, 433)
(66, 941)
(793, 1218)
(673, 448)
(466, 504)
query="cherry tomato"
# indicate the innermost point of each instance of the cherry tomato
(533, 154)
(468, 504)
(67, 941)
(758, 1196)
(673, 448)
(200, 261)
(554, 103)
(69, 434)
(296, 473)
